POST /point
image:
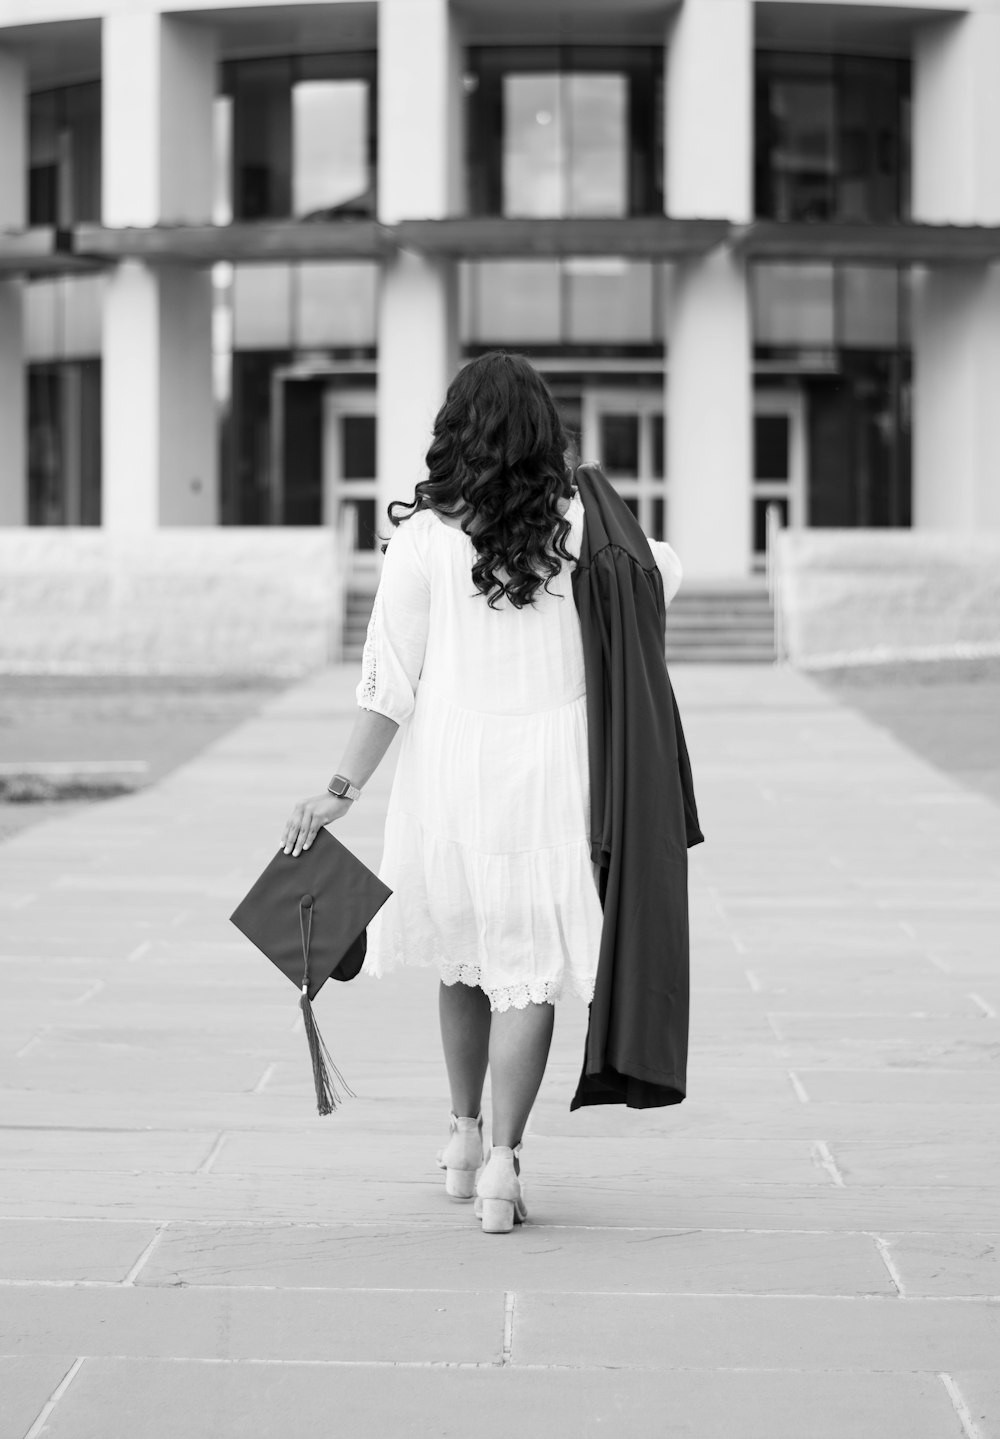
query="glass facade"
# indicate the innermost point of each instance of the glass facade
(583, 305)
(843, 331)
(64, 155)
(831, 137)
(301, 137)
(556, 131)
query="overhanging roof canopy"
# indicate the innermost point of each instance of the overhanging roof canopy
(253, 241)
(655, 237)
(869, 244)
(40, 251)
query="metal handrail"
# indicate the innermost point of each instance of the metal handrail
(773, 527)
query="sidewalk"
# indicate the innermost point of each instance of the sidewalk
(806, 1248)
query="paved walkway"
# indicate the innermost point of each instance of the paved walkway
(806, 1247)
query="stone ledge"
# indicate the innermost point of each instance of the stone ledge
(873, 596)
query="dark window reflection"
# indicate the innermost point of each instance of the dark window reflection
(303, 136)
(64, 443)
(832, 137)
(64, 155)
(359, 447)
(565, 130)
(771, 447)
(619, 440)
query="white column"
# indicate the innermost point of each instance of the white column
(13, 216)
(420, 177)
(709, 150)
(956, 321)
(159, 433)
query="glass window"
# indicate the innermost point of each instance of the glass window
(63, 317)
(262, 307)
(64, 155)
(335, 304)
(516, 301)
(608, 301)
(771, 442)
(358, 447)
(793, 305)
(262, 139)
(600, 302)
(330, 147)
(532, 145)
(868, 307)
(831, 137)
(619, 440)
(562, 131)
(64, 443)
(303, 136)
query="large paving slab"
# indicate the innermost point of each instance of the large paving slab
(807, 1245)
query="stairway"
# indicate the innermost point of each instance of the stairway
(720, 624)
(357, 612)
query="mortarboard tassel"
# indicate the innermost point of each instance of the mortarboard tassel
(326, 1075)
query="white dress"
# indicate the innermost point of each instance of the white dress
(486, 837)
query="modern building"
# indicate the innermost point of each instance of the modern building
(753, 246)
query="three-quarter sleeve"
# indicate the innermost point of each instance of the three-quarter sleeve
(669, 566)
(397, 631)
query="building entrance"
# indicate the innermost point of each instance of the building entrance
(624, 431)
(324, 456)
(779, 464)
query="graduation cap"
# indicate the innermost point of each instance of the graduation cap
(308, 913)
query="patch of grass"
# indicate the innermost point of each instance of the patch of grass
(44, 789)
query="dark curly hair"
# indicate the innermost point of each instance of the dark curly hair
(499, 457)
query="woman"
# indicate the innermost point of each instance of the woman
(474, 646)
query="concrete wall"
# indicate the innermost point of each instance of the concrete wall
(865, 596)
(223, 601)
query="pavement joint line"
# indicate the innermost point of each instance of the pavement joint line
(141, 950)
(35, 1039)
(800, 1090)
(264, 1080)
(442, 1226)
(509, 1302)
(912, 1300)
(969, 1426)
(988, 1011)
(129, 1281)
(479, 1364)
(938, 963)
(826, 1161)
(738, 944)
(775, 1027)
(753, 981)
(53, 1399)
(205, 1167)
(885, 1253)
(95, 988)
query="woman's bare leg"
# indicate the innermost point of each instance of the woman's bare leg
(519, 1049)
(465, 1036)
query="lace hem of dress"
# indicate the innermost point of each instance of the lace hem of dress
(369, 666)
(505, 996)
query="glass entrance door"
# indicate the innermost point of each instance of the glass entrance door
(623, 431)
(778, 464)
(349, 464)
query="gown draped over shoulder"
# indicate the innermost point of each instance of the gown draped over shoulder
(487, 846)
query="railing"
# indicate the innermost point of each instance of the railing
(773, 578)
(345, 543)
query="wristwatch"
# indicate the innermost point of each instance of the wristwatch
(342, 788)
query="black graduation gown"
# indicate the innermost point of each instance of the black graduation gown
(643, 814)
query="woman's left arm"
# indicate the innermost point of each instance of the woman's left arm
(370, 738)
(391, 665)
